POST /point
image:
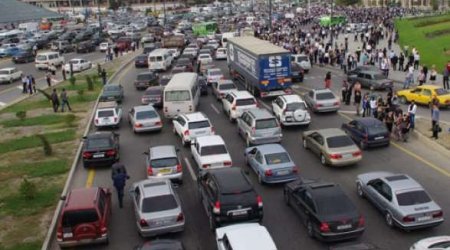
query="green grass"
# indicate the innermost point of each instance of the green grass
(34, 141)
(23, 246)
(33, 121)
(38, 169)
(27, 105)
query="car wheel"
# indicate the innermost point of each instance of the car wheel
(362, 145)
(212, 222)
(305, 144)
(403, 99)
(323, 160)
(389, 220)
(359, 190)
(310, 229)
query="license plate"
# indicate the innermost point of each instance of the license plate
(241, 212)
(98, 155)
(67, 235)
(424, 218)
(346, 156)
(379, 137)
(283, 172)
(343, 227)
(110, 98)
(165, 171)
(106, 119)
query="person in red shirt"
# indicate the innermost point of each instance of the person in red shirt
(448, 66)
(328, 80)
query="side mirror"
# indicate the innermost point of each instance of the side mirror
(84, 137)
(177, 150)
(145, 153)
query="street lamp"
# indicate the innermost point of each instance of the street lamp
(99, 19)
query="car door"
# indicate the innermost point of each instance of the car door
(379, 193)
(317, 142)
(195, 149)
(257, 163)
(277, 106)
(103, 207)
(369, 78)
(178, 124)
(416, 95)
(136, 197)
(242, 123)
(350, 128)
(210, 194)
(426, 96)
(359, 131)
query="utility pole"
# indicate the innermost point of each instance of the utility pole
(270, 16)
(99, 19)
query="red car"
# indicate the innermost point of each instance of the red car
(124, 43)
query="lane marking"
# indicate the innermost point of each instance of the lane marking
(265, 105)
(215, 109)
(410, 153)
(191, 170)
(90, 178)
(20, 87)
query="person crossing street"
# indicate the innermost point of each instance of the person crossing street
(119, 181)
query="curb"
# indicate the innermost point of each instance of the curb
(52, 227)
(442, 150)
(338, 70)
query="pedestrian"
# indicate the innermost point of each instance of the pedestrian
(401, 61)
(373, 106)
(119, 182)
(425, 72)
(421, 77)
(48, 77)
(35, 49)
(328, 80)
(445, 76)
(357, 99)
(344, 90)
(52, 69)
(435, 122)
(30, 84)
(116, 168)
(409, 76)
(55, 101)
(389, 120)
(33, 82)
(412, 109)
(63, 71)
(104, 76)
(366, 105)
(433, 74)
(404, 127)
(24, 84)
(64, 100)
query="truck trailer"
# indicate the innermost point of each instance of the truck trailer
(263, 68)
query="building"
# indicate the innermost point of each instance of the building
(55, 4)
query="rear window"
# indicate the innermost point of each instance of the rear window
(158, 203)
(441, 92)
(339, 141)
(153, 91)
(213, 150)
(163, 163)
(294, 106)
(334, 204)
(144, 77)
(324, 96)
(98, 143)
(413, 198)
(227, 86)
(112, 87)
(177, 96)
(266, 123)
(200, 124)
(277, 158)
(73, 218)
(146, 115)
(105, 113)
(378, 129)
(245, 102)
(4, 72)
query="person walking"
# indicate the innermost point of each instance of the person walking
(421, 77)
(373, 106)
(357, 99)
(30, 84)
(33, 83)
(116, 168)
(365, 105)
(445, 76)
(409, 76)
(433, 74)
(48, 78)
(24, 84)
(412, 109)
(64, 100)
(389, 121)
(119, 182)
(104, 76)
(63, 72)
(55, 101)
(328, 80)
(435, 121)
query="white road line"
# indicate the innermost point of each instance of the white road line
(265, 105)
(191, 170)
(2, 104)
(215, 109)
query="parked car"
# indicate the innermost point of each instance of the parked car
(192, 125)
(144, 118)
(402, 200)
(367, 132)
(162, 162)
(141, 61)
(9, 75)
(153, 96)
(325, 210)
(112, 92)
(157, 208)
(222, 87)
(332, 146)
(240, 235)
(108, 114)
(371, 79)
(145, 80)
(432, 243)
(258, 126)
(161, 244)
(322, 100)
(291, 110)
(85, 47)
(85, 217)
(9, 51)
(100, 149)
(236, 102)
(424, 94)
(78, 65)
(23, 57)
(210, 152)
(228, 196)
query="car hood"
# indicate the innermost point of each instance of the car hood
(373, 175)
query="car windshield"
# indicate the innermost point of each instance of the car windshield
(245, 102)
(112, 88)
(334, 204)
(158, 203)
(98, 143)
(164, 162)
(105, 113)
(277, 158)
(379, 77)
(213, 150)
(215, 73)
(324, 96)
(339, 141)
(413, 198)
(377, 129)
(199, 124)
(153, 91)
(76, 217)
(149, 114)
(295, 105)
(302, 58)
(266, 123)
(4, 72)
(177, 96)
(441, 91)
(41, 58)
(143, 77)
(227, 86)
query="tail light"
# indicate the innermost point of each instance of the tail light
(186, 133)
(179, 168)
(227, 163)
(259, 201)
(268, 172)
(138, 125)
(295, 169)
(358, 153)
(324, 227)
(103, 230)
(408, 219)
(96, 121)
(143, 223)
(87, 155)
(111, 152)
(59, 233)
(233, 107)
(216, 208)
(158, 123)
(263, 94)
(318, 105)
(336, 103)
(361, 221)
(115, 119)
(438, 214)
(335, 156)
(253, 130)
(190, 107)
(149, 171)
(213, 130)
(206, 165)
(180, 217)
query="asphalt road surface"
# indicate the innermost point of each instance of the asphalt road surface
(422, 163)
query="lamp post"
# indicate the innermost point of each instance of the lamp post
(99, 19)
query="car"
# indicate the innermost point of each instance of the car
(112, 92)
(205, 51)
(371, 79)
(141, 61)
(108, 114)
(185, 62)
(322, 100)
(203, 85)
(85, 47)
(221, 54)
(191, 51)
(145, 80)
(62, 46)
(291, 110)
(436, 243)
(333, 146)
(78, 65)
(424, 95)
(271, 163)
(204, 67)
(161, 244)
(367, 132)
(228, 196)
(325, 210)
(213, 75)
(222, 87)
(204, 58)
(213, 43)
(153, 96)
(296, 73)
(9, 51)
(360, 68)
(9, 75)
(402, 200)
(85, 217)
(302, 61)
(258, 126)
(243, 235)
(236, 102)
(162, 162)
(192, 125)
(103, 47)
(164, 79)
(100, 149)
(179, 69)
(144, 118)
(23, 57)
(174, 52)
(210, 152)
(157, 208)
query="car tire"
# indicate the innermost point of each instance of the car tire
(323, 160)
(212, 222)
(359, 190)
(389, 220)
(403, 99)
(310, 229)
(305, 144)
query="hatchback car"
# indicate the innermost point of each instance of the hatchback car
(333, 146)
(228, 196)
(302, 61)
(210, 152)
(213, 75)
(432, 243)
(367, 132)
(291, 110)
(157, 208)
(241, 235)
(162, 162)
(271, 163)
(223, 87)
(145, 80)
(108, 114)
(258, 126)
(325, 210)
(100, 149)
(402, 200)
(78, 65)
(192, 125)
(9, 75)
(141, 61)
(322, 100)
(371, 79)
(153, 96)
(112, 92)
(85, 217)
(236, 102)
(144, 118)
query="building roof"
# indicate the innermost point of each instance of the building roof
(13, 11)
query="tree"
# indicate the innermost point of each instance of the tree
(347, 2)
(115, 4)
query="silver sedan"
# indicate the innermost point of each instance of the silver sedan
(144, 118)
(322, 100)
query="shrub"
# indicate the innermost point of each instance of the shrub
(72, 80)
(27, 189)
(95, 79)
(21, 114)
(90, 84)
(46, 145)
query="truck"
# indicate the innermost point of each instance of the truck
(174, 41)
(262, 68)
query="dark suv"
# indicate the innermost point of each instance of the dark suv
(228, 196)
(85, 47)
(324, 209)
(100, 149)
(84, 217)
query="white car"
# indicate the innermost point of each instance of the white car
(78, 65)
(210, 152)
(213, 43)
(236, 102)
(302, 61)
(223, 87)
(9, 75)
(108, 114)
(144, 118)
(192, 125)
(175, 52)
(244, 236)
(432, 243)
(190, 51)
(104, 47)
(221, 54)
(204, 59)
(291, 110)
(213, 75)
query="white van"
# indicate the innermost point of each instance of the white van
(250, 19)
(159, 59)
(44, 59)
(181, 94)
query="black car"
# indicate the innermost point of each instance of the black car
(185, 62)
(324, 209)
(145, 80)
(296, 73)
(367, 132)
(100, 149)
(203, 85)
(23, 57)
(161, 244)
(85, 47)
(153, 96)
(228, 196)
(141, 61)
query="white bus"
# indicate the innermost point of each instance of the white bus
(159, 59)
(225, 37)
(181, 94)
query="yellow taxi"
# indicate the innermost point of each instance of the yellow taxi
(424, 94)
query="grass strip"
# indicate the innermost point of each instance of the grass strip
(23, 246)
(33, 121)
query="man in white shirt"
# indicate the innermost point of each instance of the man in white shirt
(412, 108)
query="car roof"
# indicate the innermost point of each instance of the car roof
(399, 182)
(260, 113)
(144, 108)
(196, 116)
(99, 134)
(248, 236)
(104, 105)
(329, 132)
(230, 180)
(81, 198)
(163, 151)
(368, 121)
(210, 140)
(214, 69)
(271, 148)
(292, 98)
(152, 188)
(241, 94)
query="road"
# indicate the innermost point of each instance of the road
(427, 166)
